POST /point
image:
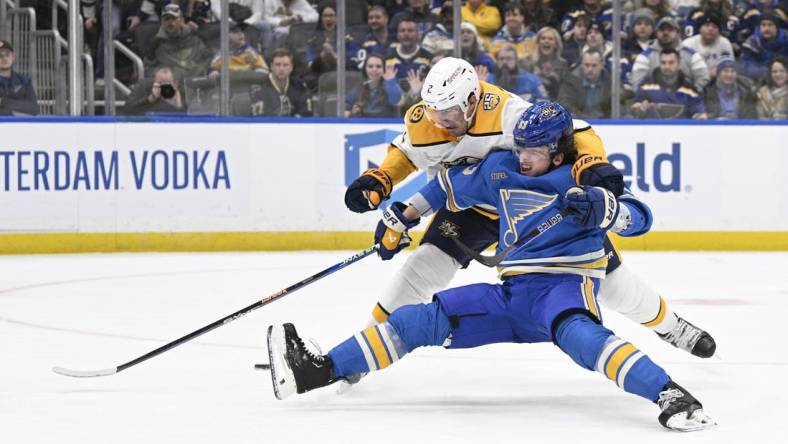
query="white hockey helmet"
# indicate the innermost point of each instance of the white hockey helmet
(448, 84)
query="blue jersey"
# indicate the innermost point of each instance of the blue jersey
(523, 203)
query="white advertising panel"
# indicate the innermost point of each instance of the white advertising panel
(212, 176)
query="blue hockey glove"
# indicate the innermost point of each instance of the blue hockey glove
(592, 207)
(391, 235)
(368, 191)
(603, 175)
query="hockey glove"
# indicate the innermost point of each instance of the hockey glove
(391, 235)
(368, 191)
(603, 175)
(592, 207)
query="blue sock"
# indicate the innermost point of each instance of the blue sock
(379, 346)
(594, 347)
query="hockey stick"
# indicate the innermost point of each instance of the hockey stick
(494, 261)
(225, 320)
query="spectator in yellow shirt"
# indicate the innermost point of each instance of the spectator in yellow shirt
(484, 17)
(243, 57)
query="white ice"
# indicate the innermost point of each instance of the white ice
(96, 311)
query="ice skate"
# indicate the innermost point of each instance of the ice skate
(690, 338)
(681, 411)
(294, 368)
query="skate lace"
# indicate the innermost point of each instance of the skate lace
(313, 351)
(667, 398)
(684, 335)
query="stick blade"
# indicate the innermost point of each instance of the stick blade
(84, 373)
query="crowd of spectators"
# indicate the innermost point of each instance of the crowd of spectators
(699, 59)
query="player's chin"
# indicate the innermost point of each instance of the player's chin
(455, 131)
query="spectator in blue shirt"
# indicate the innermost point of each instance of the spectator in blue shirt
(667, 94)
(378, 39)
(406, 54)
(768, 42)
(17, 95)
(379, 95)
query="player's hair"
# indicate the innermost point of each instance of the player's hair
(566, 145)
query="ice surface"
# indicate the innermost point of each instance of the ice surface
(91, 312)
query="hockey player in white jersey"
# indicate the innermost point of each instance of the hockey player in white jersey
(459, 121)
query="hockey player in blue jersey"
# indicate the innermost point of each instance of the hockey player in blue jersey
(549, 284)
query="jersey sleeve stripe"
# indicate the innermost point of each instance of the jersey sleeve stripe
(494, 133)
(440, 142)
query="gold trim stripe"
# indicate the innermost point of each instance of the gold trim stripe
(379, 314)
(376, 343)
(663, 308)
(48, 243)
(618, 358)
(588, 295)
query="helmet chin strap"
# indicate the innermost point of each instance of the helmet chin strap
(468, 118)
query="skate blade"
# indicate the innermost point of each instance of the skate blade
(281, 375)
(697, 421)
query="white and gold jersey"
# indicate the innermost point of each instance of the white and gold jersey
(432, 148)
(426, 146)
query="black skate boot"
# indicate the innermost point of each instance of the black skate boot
(680, 410)
(688, 337)
(294, 368)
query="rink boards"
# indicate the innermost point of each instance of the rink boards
(71, 185)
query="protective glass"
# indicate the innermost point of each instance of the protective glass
(452, 114)
(535, 153)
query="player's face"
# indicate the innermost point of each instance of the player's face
(452, 120)
(779, 74)
(534, 161)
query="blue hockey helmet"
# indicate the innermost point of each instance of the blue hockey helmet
(543, 124)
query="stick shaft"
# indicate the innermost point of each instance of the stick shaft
(246, 310)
